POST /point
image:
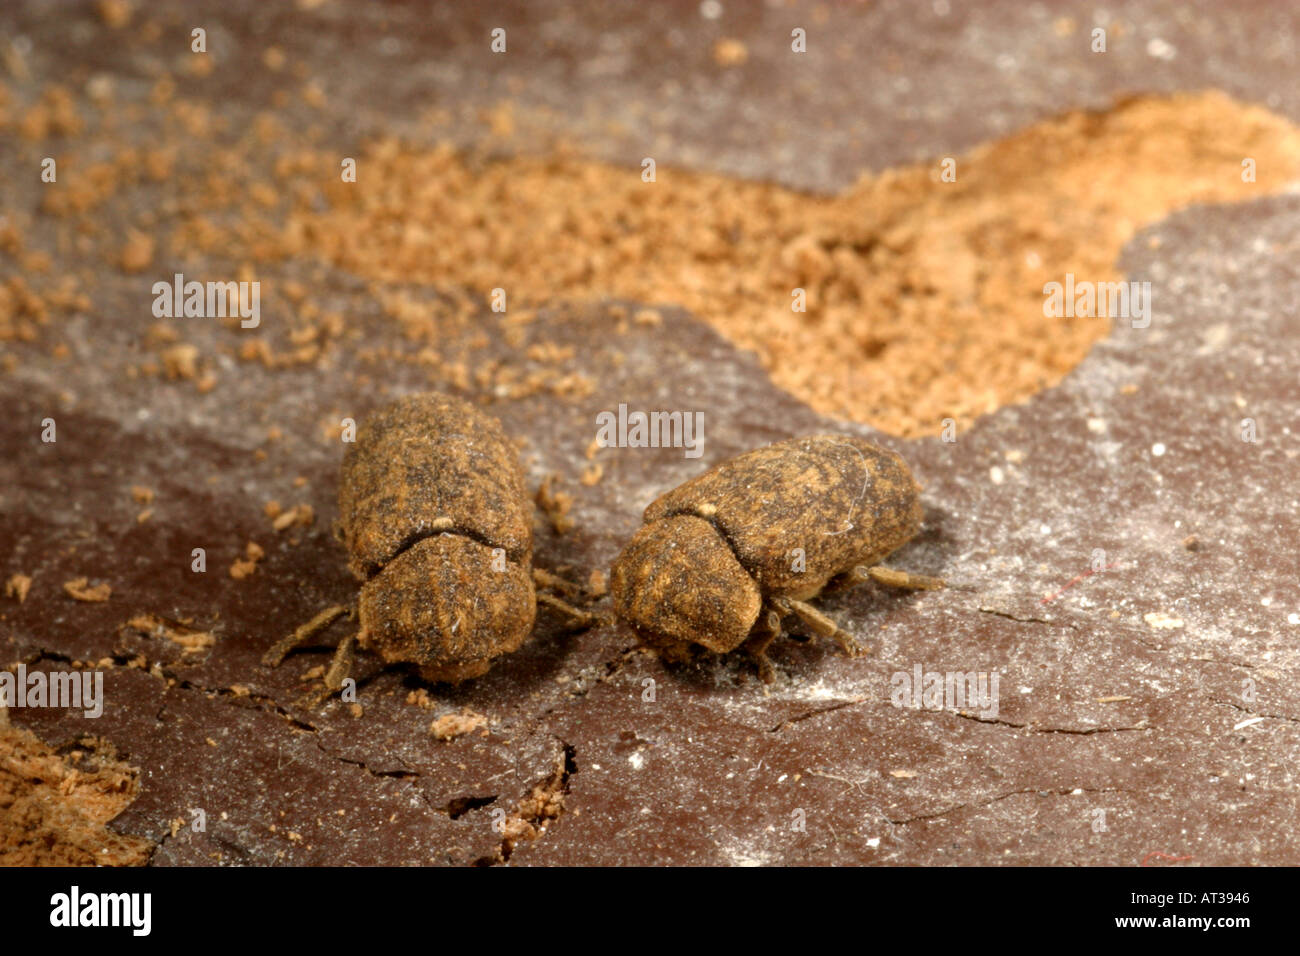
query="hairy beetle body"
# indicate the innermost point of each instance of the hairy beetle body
(765, 530)
(437, 521)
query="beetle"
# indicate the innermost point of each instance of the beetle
(724, 558)
(436, 518)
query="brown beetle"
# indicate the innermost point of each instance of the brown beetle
(437, 521)
(723, 558)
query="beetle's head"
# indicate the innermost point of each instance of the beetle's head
(449, 605)
(678, 583)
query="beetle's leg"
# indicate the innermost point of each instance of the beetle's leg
(545, 579)
(756, 646)
(339, 670)
(303, 634)
(893, 578)
(578, 616)
(553, 582)
(341, 665)
(821, 625)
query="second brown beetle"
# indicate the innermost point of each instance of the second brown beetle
(725, 557)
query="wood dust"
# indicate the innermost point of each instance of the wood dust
(54, 807)
(924, 298)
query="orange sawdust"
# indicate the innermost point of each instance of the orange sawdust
(54, 807)
(924, 298)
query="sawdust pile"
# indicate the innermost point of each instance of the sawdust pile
(924, 298)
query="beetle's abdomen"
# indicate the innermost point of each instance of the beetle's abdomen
(799, 512)
(427, 464)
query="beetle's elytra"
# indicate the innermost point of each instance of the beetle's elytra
(724, 557)
(435, 515)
